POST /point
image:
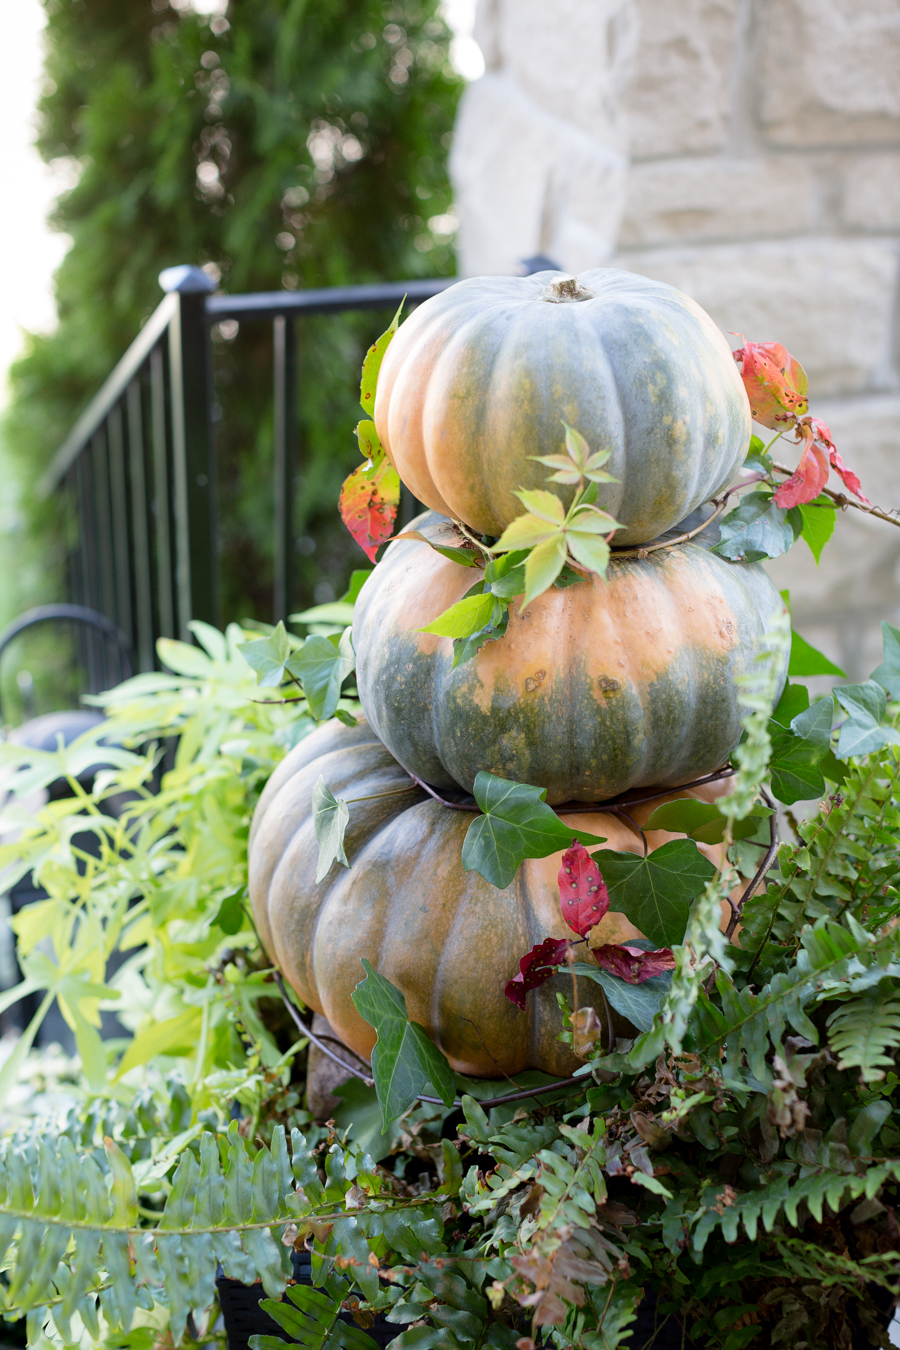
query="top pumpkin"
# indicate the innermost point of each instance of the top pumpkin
(480, 378)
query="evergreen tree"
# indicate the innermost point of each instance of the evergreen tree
(282, 143)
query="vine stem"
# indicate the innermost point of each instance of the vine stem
(841, 499)
(645, 549)
(431, 1101)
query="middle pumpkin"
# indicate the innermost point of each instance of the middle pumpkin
(600, 687)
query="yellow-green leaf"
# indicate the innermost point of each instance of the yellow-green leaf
(462, 620)
(542, 566)
(176, 1035)
(526, 532)
(543, 504)
(372, 364)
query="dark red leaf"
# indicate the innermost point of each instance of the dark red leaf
(776, 384)
(536, 968)
(368, 504)
(583, 896)
(633, 964)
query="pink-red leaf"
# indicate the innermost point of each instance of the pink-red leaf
(583, 896)
(807, 480)
(633, 964)
(369, 499)
(536, 968)
(776, 384)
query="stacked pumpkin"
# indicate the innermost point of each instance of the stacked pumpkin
(615, 683)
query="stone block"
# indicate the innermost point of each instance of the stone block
(831, 302)
(678, 98)
(718, 198)
(527, 182)
(870, 192)
(839, 605)
(571, 56)
(828, 71)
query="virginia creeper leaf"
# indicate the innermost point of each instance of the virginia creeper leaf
(404, 1059)
(466, 557)
(370, 446)
(776, 384)
(807, 480)
(321, 667)
(330, 817)
(819, 519)
(638, 1003)
(516, 824)
(267, 656)
(368, 505)
(464, 649)
(464, 619)
(583, 896)
(634, 965)
(655, 893)
(536, 968)
(543, 566)
(372, 363)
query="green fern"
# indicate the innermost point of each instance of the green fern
(864, 1029)
(312, 1319)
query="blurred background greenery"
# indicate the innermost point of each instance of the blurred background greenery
(279, 144)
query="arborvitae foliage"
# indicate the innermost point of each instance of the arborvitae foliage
(284, 144)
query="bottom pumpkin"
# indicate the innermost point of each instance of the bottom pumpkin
(445, 937)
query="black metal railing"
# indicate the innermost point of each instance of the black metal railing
(139, 466)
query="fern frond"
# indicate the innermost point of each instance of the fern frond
(723, 1208)
(312, 1319)
(863, 1030)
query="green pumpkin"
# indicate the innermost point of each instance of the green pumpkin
(480, 378)
(600, 687)
(445, 937)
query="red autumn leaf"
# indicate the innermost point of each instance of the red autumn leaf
(807, 480)
(811, 474)
(583, 896)
(776, 384)
(633, 964)
(368, 504)
(536, 968)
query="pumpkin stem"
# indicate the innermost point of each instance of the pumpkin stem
(568, 288)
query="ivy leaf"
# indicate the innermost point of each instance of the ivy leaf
(330, 818)
(862, 733)
(372, 363)
(368, 505)
(516, 824)
(806, 661)
(819, 519)
(638, 1003)
(794, 700)
(800, 750)
(536, 969)
(404, 1059)
(888, 673)
(321, 667)
(702, 821)
(756, 529)
(466, 557)
(655, 893)
(583, 896)
(634, 965)
(267, 656)
(230, 917)
(464, 619)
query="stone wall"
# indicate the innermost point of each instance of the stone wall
(747, 152)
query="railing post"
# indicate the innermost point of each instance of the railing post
(285, 363)
(193, 450)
